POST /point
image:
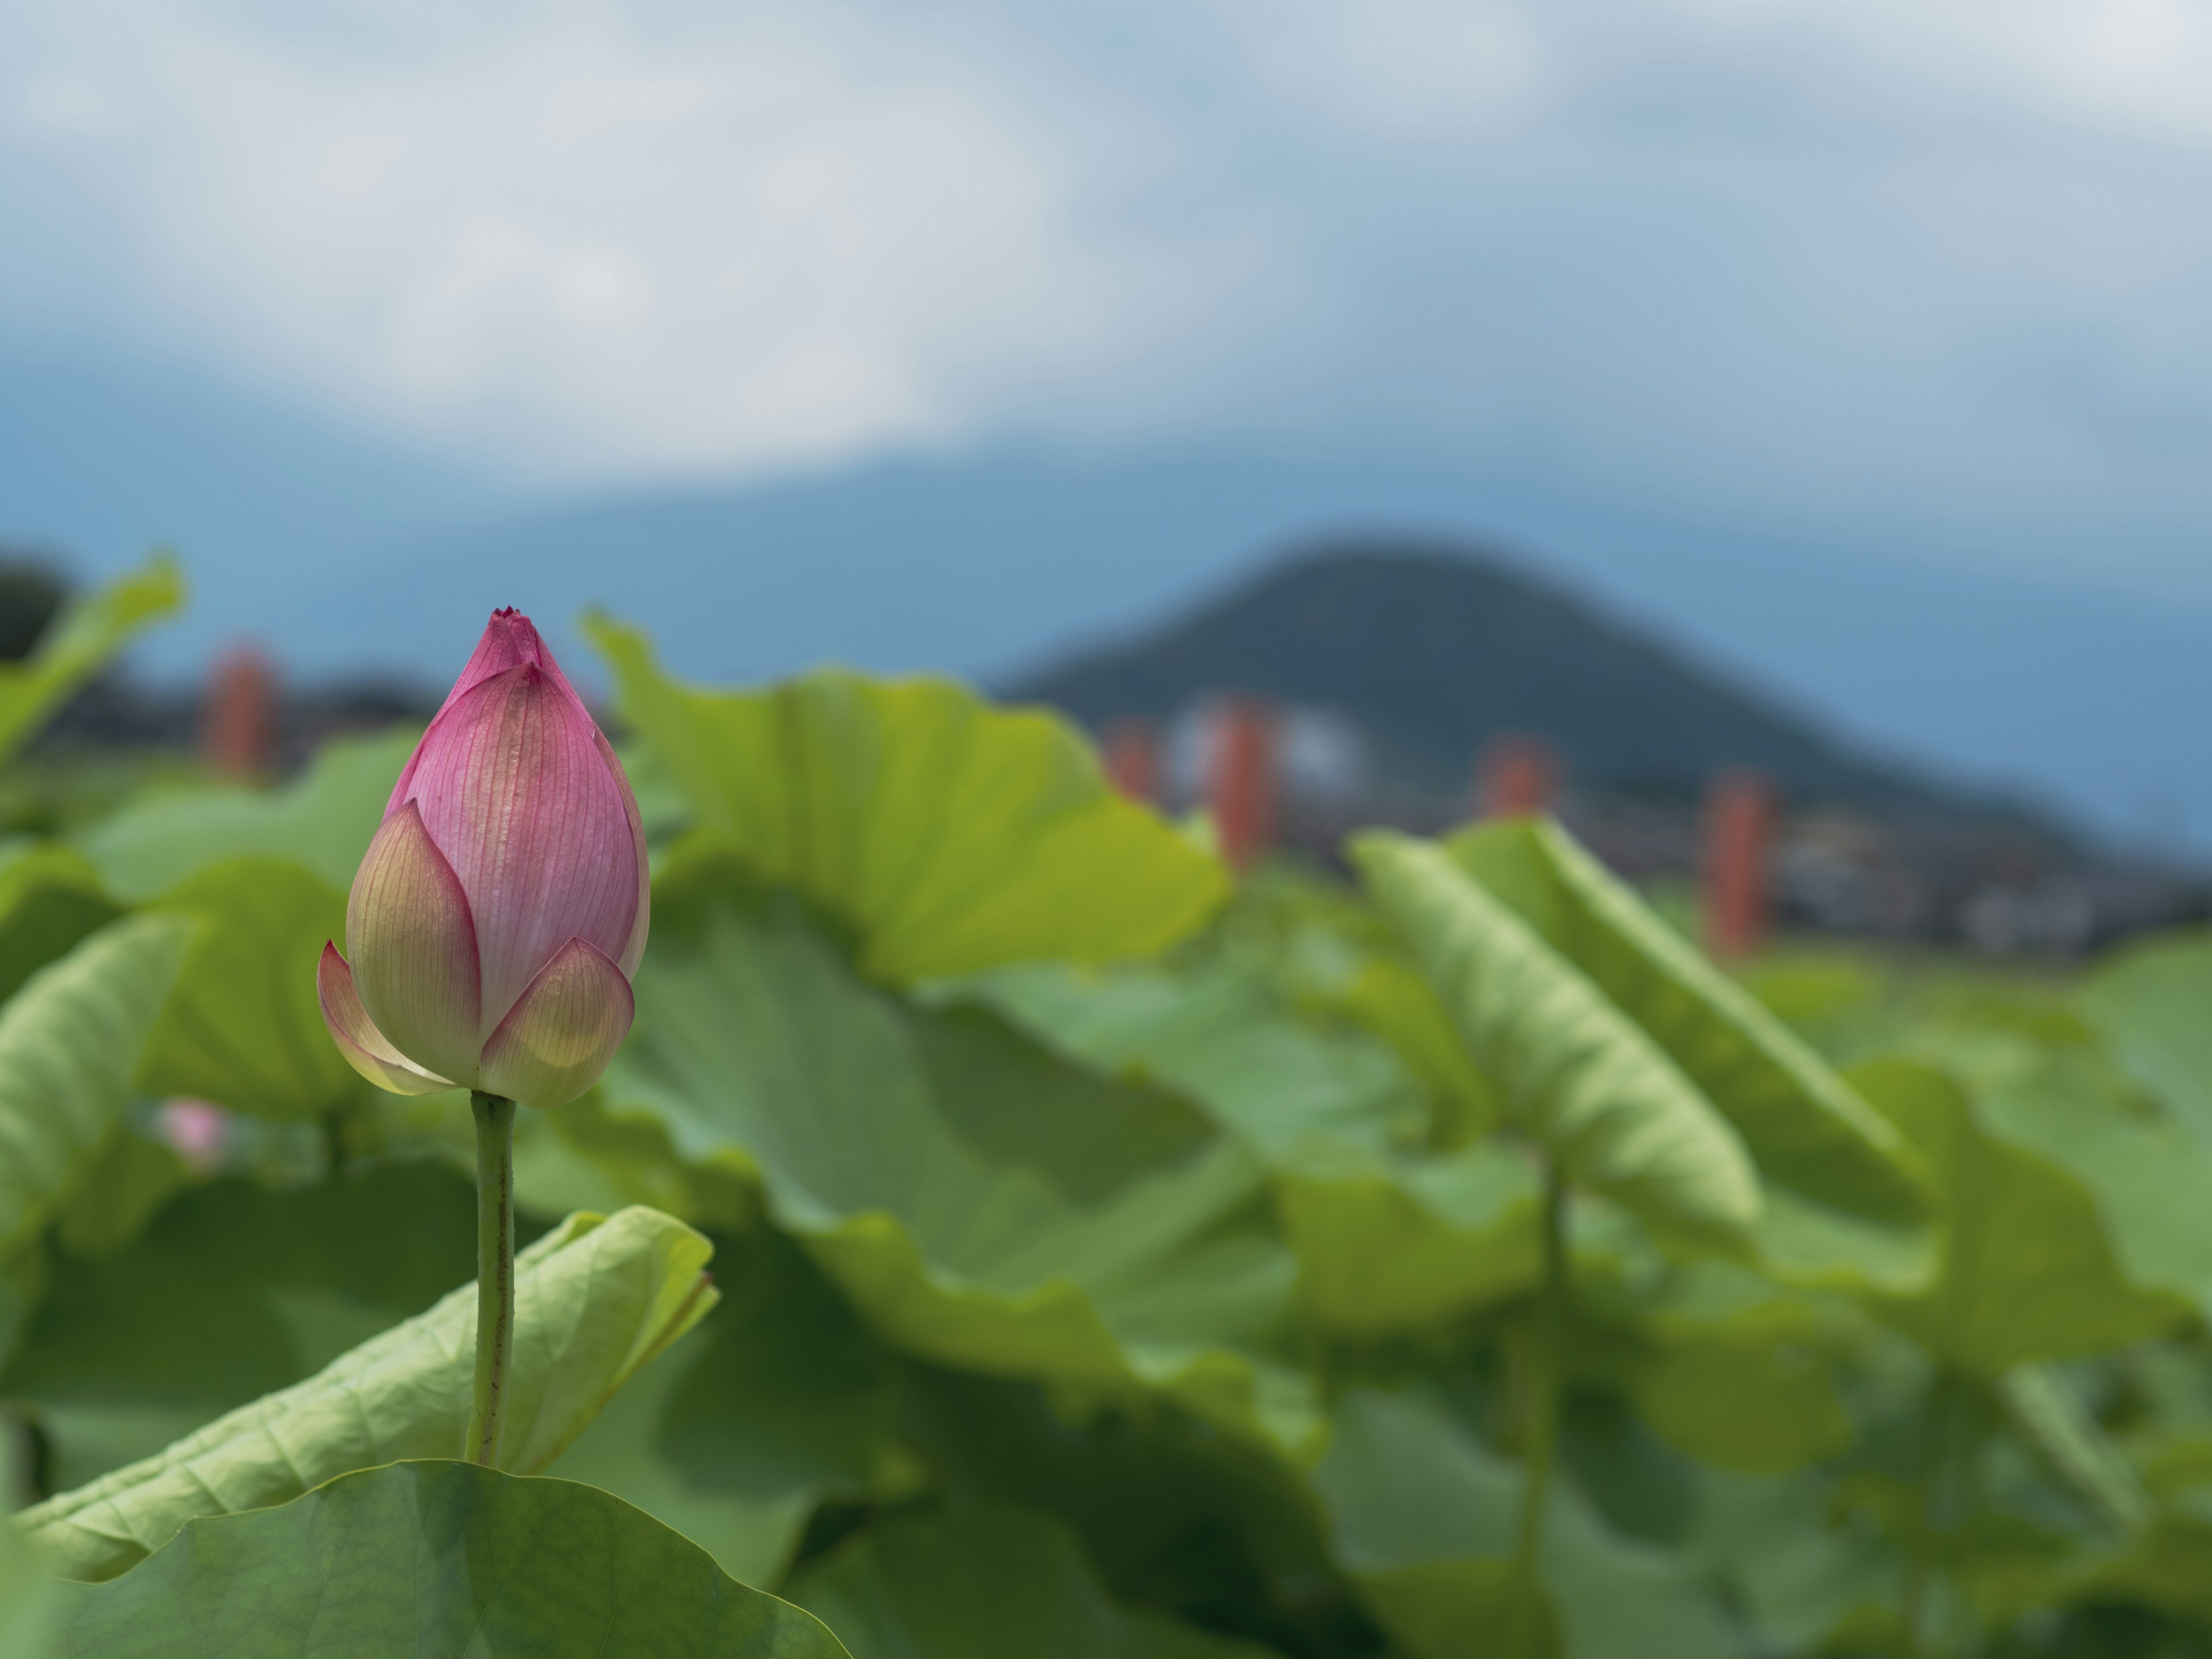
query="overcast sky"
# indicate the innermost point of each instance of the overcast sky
(1938, 271)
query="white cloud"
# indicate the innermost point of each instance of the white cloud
(575, 240)
(1780, 251)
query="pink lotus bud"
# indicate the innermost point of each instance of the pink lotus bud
(501, 909)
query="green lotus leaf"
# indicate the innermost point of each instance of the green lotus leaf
(436, 1557)
(2148, 1004)
(736, 1434)
(1393, 1245)
(1741, 1373)
(1582, 1078)
(69, 1041)
(31, 1604)
(985, 1581)
(981, 1202)
(1424, 1517)
(595, 1299)
(2147, 1177)
(1386, 1238)
(50, 898)
(1218, 1037)
(322, 821)
(2027, 1267)
(1173, 1514)
(1802, 1124)
(80, 642)
(954, 835)
(233, 1290)
(243, 1026)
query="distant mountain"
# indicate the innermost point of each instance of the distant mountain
(1433, 653)
(1965, 651)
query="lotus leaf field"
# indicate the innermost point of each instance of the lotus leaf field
(1005, 1234)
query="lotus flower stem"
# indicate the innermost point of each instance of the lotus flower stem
(494, 1117)
(1546, 1367)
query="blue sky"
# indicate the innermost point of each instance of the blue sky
(1927, 284)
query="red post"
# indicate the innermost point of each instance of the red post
(237, 728)
(1516, 779)
(1739, 825)
(1132, 759)
(1241, 784)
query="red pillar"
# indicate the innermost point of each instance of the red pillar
(1739, 827)
(1516, 779)
(1241, 782)
(238, 727)
(1132, 760)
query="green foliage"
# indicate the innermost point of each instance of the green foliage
(243, 1027)
(1803, 1125)
(2027, 1268)
(987, 1582)
(981, 1202)
(1584, 1079)
(1425, 1519)
(50, 898)
(595, 1299)
(955, 836)
(69, 1041)
(779, 1402)
(2149, 1004)
(80, 643)
(323, 823)
(232, 1292)
(1107, 1261)
(438, 1558)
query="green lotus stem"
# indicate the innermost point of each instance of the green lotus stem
(1945, 1401)
(494, 1117)
(1546, 1366)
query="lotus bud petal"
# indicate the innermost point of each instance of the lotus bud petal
(508, 878)
(563, 1031)
(364, 1046)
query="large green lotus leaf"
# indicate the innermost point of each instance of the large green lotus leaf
(81, 640)
(1327, 952)
(1743, 1374)
(322, 821)
(595, 1299)
(243, 1026)
(232, 1292)
(1173, 1514)
(1387, 1239)
(437, 1559)
(956, 836)
(2163, 1568)
(1582, 1077)
(1390, 999)
(985, 1581)
(69, 1041)
(1802, 1123)
(2148, 1003)
(2148, 1176)
(737, 1433)
(31, 1603)
(1425, 1520)
(1392, 1244)
(50, 898)
(982, 1202)
(1218, 1037)
(2027, 1267)
(1801, 1571)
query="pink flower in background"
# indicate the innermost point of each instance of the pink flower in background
(501, 909)
(195, 1130)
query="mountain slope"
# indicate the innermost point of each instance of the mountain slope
(1434, 653)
